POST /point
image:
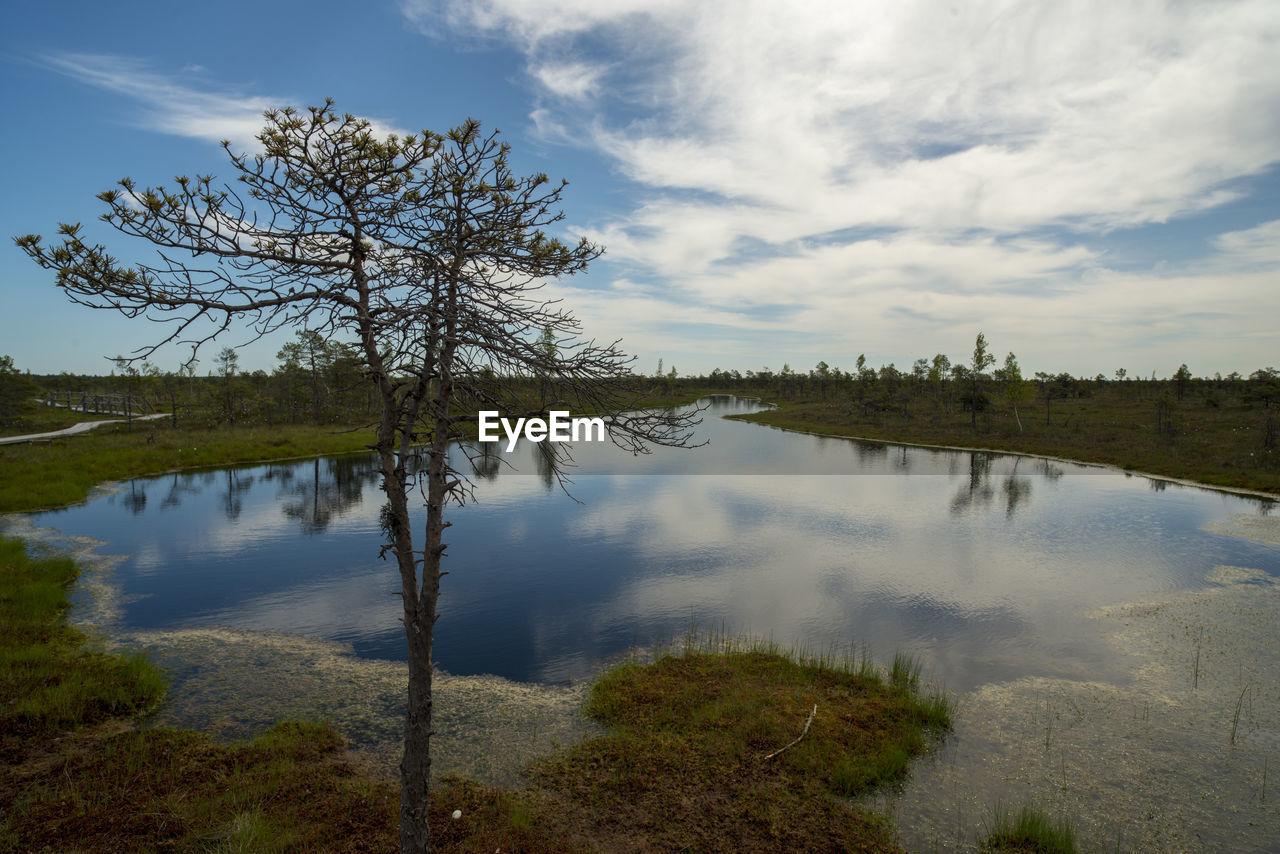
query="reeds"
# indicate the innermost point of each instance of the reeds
(1029, 829)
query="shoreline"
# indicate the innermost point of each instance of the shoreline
(1234, 490)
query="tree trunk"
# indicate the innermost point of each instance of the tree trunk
(415, 767)
(419, 617)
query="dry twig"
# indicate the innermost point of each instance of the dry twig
(807, 724)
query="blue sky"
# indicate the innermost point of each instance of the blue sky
(1092, 185)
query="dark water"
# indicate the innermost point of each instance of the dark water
(983, 565)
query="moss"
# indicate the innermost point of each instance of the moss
(703, 753)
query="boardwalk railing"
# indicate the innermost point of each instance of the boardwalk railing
(127, 405)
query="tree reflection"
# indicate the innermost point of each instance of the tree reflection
(977, 490)
(551, 459)
(1049, 469)
(237, 486)
(485, 459)
(180, 485)
(1016, 491)
(135, 500)
(327, 494)
(868, 452)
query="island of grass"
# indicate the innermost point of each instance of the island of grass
(717, 747)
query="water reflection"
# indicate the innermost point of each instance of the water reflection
(180, 486)
(238, 483)
(135, 499)
(981, 564)
(317, 499)
(1016, 490)
(551, 462)
(485, 459)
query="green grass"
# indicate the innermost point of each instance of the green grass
(174, 790)
(51, 676)
(1220, 444)
(37, 477)
(1028, 830)
(63, 471)
(688, 766)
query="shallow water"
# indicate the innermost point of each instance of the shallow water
(1000, 573)
(1180, 757)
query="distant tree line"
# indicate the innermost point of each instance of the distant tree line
(319, 381)
(976, 384)
(316, 381)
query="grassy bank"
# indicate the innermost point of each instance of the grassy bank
(42, 476)
(713, 748)
(61, 471)
(1221, 445)
(51, 677)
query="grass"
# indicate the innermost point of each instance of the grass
(1028, 830)
(1219, 443)
(686, 767)
(291, 789)
(52, 676)
(1235, 718)
(38, 477)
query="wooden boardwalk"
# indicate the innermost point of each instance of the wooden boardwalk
(99, 403)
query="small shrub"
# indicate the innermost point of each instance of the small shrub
(1028, 830)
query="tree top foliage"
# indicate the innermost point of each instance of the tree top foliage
(330, 226)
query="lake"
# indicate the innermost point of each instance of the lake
(996, 571)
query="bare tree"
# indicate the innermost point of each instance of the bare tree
(427, 251)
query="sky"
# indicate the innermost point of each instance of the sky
(1092, 185)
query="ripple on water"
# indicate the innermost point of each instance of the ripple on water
(1174, 760)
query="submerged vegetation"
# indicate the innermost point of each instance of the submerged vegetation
(722, 745)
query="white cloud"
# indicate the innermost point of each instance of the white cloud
(179, 109)
(916, 293)
(1258, 245)
(874, 171)
(172, 107)
(906, 115)
(528, 22)
(574, 80)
